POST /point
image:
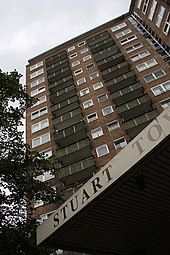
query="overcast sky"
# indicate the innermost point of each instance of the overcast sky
(29, 28)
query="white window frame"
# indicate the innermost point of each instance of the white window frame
(86, 90)
(39, 112)
(35, 74)
(128, 39)
(74, 55)
(37, 91)
(146, 65)
(87, 117)
(47, 153)
(133, 47)
(36, 65)
(38, 203)
(99, 148)
(90, 66)
(81, 44)
(118, 148)
(39, 126)
(104, 109)
(165, 103)
(113, 122)
(86, 58)
(97, 132)
(162, 88)
(71, 48)
(88, 103)
(152, 9)
(98, 85)
(119, 26)
(139, 55)
(94, 75)
(154, 76)
(166, 28)
(81, 81)
(40, 101)
(40, 140)
(145, 6)
(160, 16)
(75, 63)
(138, 4)
(84, 50)
(123, 33)
(101, 96)
(78, 71)
(37, 82)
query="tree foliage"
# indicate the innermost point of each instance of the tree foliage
(19, 168)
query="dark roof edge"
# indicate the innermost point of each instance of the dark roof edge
(71, 41)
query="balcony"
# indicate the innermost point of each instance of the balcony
(57, 58)
(60, 111)
(127, 94)
(99, 39)
(134, 108)
(115, 71)
(111, 61)
(102, 45)
(61, 84)
(121, 82)
(70, 135)
(57, 66)
(106, 53)
(78, 171)
(59, 75)
(57, 98)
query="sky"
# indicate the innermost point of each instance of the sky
(28, 28)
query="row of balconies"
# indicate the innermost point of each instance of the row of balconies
(61, 84)
(63, 110)
(110, 61)
(59, 97)
(57, 66)
(99, 39)
(102, 45)
(59, 74)
(56, 58)
(115, 71)
(105, 53)
(121, 81)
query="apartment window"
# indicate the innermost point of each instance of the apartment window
(160, 16)
(152, 10)
(84, 50)
(165, 103)
(102, 150)
(74, 55)
(45, 176)
(108, 110)
(128, 39)
(37, 82)
(38, 203)
(37, 91)
(90, 66)
(78, 71)
(71, 48)
(39, 113)
(81, 44)
(102, 97)
(40, 125)
(81, 81)
(75, 63)
(36, 65)
(120, 143)
(88, 103)
(148, 64)
(154, 76)
(113, 125)
(167, 25)
(145, 6)
(122, 33)
(97, 85)
(40, 140)
(32, 75)
(138, 4)
(47, 153)
(134, 47)
(119, 26)
(91, 117)
(140, 55)
(86, 58)
(97, 132)
(162, 88)
(93, 75)
(40, 101)
(84, 92)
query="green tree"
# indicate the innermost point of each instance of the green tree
(19, 168)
